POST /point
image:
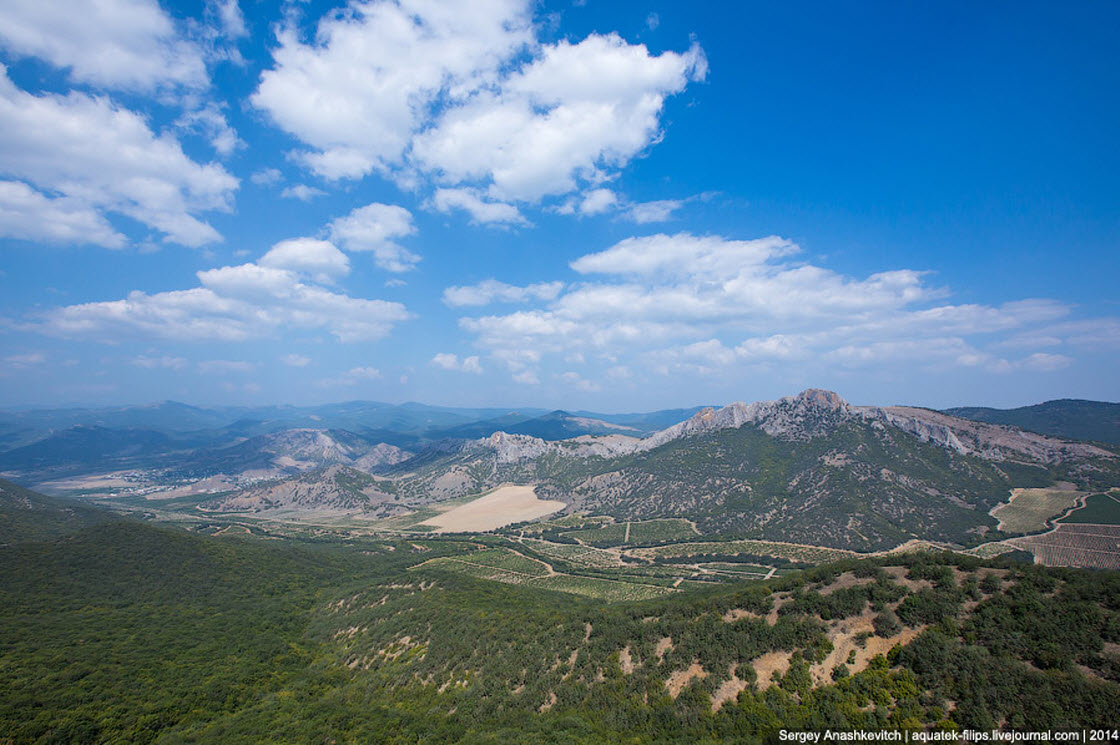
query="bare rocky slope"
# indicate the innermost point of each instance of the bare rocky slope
(808, 468)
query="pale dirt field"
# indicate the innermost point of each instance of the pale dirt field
(1030, 510)
(503, 506)
(78, 483)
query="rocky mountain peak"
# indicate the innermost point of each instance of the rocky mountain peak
(824, 399)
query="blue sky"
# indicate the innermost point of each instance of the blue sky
(611, 206)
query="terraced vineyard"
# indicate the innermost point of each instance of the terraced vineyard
(787, 551)
(513, 568)
(1076, 545)
(1030, 510)
(574, 553)
(497, 564)
(636, 532)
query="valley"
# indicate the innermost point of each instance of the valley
(799, 563)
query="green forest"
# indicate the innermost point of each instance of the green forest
(114, 630)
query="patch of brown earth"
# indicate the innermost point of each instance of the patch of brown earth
(729, 690)
(548, 704)
(625, 661)
(844, 581)
(680, 678)
(843, 637)
(735, 614)
(769, 667)
(663, 646)
(898, 574)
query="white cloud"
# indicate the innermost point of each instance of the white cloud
(464, 94)
(657, 211)
(230, 18)
(85, 148)
(223, 367)
(30, 215)
(571, 113)
(267, 177)
(165, 362)
(597, 201)
(358, 93)
(653, 21)
(126, 44)
(295, 360)
(449, 361)
(353, 376)
(702, 304)
(211, 122)
(28, 359)
(375, 228)
(302, 192)
(233, 303)
(318, 259)
(575, 379)
(491, 290)
(481, 211)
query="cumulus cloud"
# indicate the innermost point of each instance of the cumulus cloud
(358, 93)
(302, 192)
(481, 211)
(232, 303)
(126, 44)
(466, 95)
(28, 214)
(376, 228)
(491, 290)
(449, 361)
(573, 112)
(86, 148)
(706, 303)
(317, 259)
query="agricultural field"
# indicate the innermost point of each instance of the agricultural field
(636, 532)
(787, 551)
(990, 550)
(499, 564)
(512, 568)
(1099, 509)
(575, 553)
(503, 506)
(1075, 545)
(612, 591)
(1031, 510)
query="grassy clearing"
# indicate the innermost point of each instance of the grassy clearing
(1030, 510)
(788, 551)
(636, 532)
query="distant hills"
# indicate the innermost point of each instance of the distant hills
(1068, 417)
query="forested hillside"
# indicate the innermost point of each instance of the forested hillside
(124, 632)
